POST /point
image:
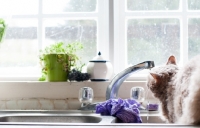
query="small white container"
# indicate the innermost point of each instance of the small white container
(99, 69)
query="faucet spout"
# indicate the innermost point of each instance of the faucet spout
(113, 87)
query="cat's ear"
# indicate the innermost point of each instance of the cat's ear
(156, 76)
(171, 60)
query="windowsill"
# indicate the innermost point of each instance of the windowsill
(135, 77)
(17, 88)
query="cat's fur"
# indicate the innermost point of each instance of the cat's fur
(178, 90)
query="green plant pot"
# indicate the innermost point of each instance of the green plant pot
(2, 29)
(56, 67)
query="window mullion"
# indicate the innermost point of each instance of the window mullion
(111, 30)
(103, 28)
(119, 36)
(184, 34)
(40, 30)
(172, 14)
(72, 15)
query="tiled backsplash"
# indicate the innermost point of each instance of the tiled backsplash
(40, 104)
(54, 95)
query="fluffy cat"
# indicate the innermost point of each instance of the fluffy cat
(178, 90)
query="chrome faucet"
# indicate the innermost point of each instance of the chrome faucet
(113, 87)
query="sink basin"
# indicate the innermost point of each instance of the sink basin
(150, 119)
(66, 117)
(52, 119)
(74, 118)
(49, 117)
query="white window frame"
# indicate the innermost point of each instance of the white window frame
(111, 30)
(120, 17)
(100, 15)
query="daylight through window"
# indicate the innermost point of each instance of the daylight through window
(126, 32)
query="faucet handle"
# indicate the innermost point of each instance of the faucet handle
(85, 95)
(138, 94)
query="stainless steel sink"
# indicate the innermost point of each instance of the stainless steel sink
(74, 118)
(65, 117)
(152, 119)
(145, 119)
(68, 116)
(51, 119)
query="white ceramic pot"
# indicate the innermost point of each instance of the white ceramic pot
(99, 69)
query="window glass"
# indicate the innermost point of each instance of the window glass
(58, 6)
(152, 39)
(18, 7)
(20, 46)
(144, 5)
(193, 37)
(68, 31)
(194, 4)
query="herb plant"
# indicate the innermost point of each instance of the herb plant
(2, 29)
(60, 49)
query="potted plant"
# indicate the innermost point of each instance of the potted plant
(58, 59)
(2, 29)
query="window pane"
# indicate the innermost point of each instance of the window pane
(194, 37)
(68, 31)
(194, 4)
(18, 7)
(20, 46)
(144, 5)
(58, 6)
(152, 39)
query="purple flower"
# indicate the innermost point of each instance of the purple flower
(126, 110)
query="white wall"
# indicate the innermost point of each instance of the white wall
(55, 95)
